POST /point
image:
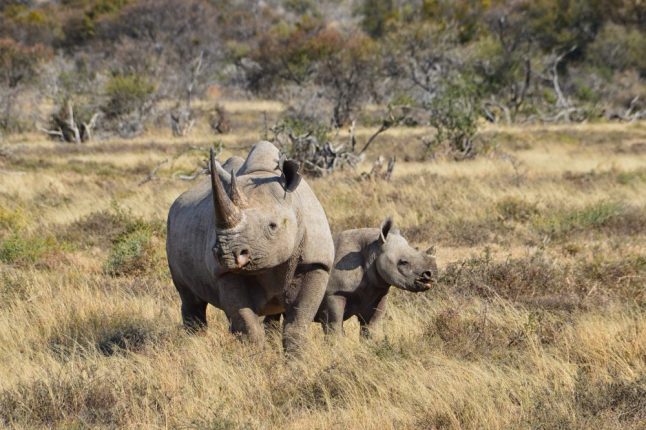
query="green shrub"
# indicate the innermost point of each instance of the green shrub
(11, 220)
(137, 249)
(127, 94)
(20, 249)
(454, 115)
(591, 217)
(619, 48)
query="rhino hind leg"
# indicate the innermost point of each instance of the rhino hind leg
(193, 311)
(331, 314)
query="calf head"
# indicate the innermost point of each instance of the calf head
(256, 223)
(401, 265)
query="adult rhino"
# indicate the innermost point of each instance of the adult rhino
(253, 241)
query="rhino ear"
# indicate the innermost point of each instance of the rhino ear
(431, 251)
(386, 226)
(292, 177)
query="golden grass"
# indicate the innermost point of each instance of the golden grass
(538, 321)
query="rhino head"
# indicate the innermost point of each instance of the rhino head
(401, 265)
(256, 222)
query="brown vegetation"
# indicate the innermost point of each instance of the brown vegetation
(537, 322)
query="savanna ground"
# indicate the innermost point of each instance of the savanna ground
(538, 321)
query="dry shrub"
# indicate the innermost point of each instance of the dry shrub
(516, 209)
(610, 217)
(108, 332)
(511, 279)
(60, 401)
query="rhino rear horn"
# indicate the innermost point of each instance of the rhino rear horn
(227, 214)
(237, 197)
(292, 177)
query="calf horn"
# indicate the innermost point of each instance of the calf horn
(227, 214)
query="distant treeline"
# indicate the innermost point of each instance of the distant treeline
(505, 61)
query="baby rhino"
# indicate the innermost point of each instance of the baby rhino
(367, 262)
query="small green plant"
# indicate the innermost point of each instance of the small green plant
(135, 250)
(454, 115)
(127, 94)
(20, 249)
(591, 217)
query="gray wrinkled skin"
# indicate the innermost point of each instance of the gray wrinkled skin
(276, 259)
(368, 262)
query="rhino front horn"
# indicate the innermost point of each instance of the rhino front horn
(227, 214)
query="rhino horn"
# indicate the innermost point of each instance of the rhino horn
(237, 197)
(227, 214)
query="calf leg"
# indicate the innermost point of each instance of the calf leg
(371, 319)
(303, 308)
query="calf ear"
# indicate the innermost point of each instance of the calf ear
(292, 177)
(386, 226)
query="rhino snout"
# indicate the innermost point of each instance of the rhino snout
(242, 257)
(237, 258)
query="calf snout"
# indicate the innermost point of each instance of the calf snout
(427, 276)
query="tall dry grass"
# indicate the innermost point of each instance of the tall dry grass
(538, 321)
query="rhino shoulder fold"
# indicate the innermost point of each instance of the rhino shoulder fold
(318, 247)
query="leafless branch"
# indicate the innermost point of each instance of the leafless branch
(153, 172)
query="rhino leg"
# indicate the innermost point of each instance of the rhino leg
(303, 309)
(238, 305)
(370, 320)
(193, 310)
(331, 315)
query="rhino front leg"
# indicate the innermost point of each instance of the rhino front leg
(238, 306)
(370, 321)
(303, 309)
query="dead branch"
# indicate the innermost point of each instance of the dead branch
(53, 133)
(391, 166)
(353, 139)
(153, 172)
(182, 122)
(561, 100)
(87, 127)
(71, 124)
(67, 125)
(377, 166)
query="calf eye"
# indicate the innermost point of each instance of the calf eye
(273, 226)
(403, 263)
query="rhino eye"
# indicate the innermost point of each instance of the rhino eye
(273, 226)
(403, 263)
